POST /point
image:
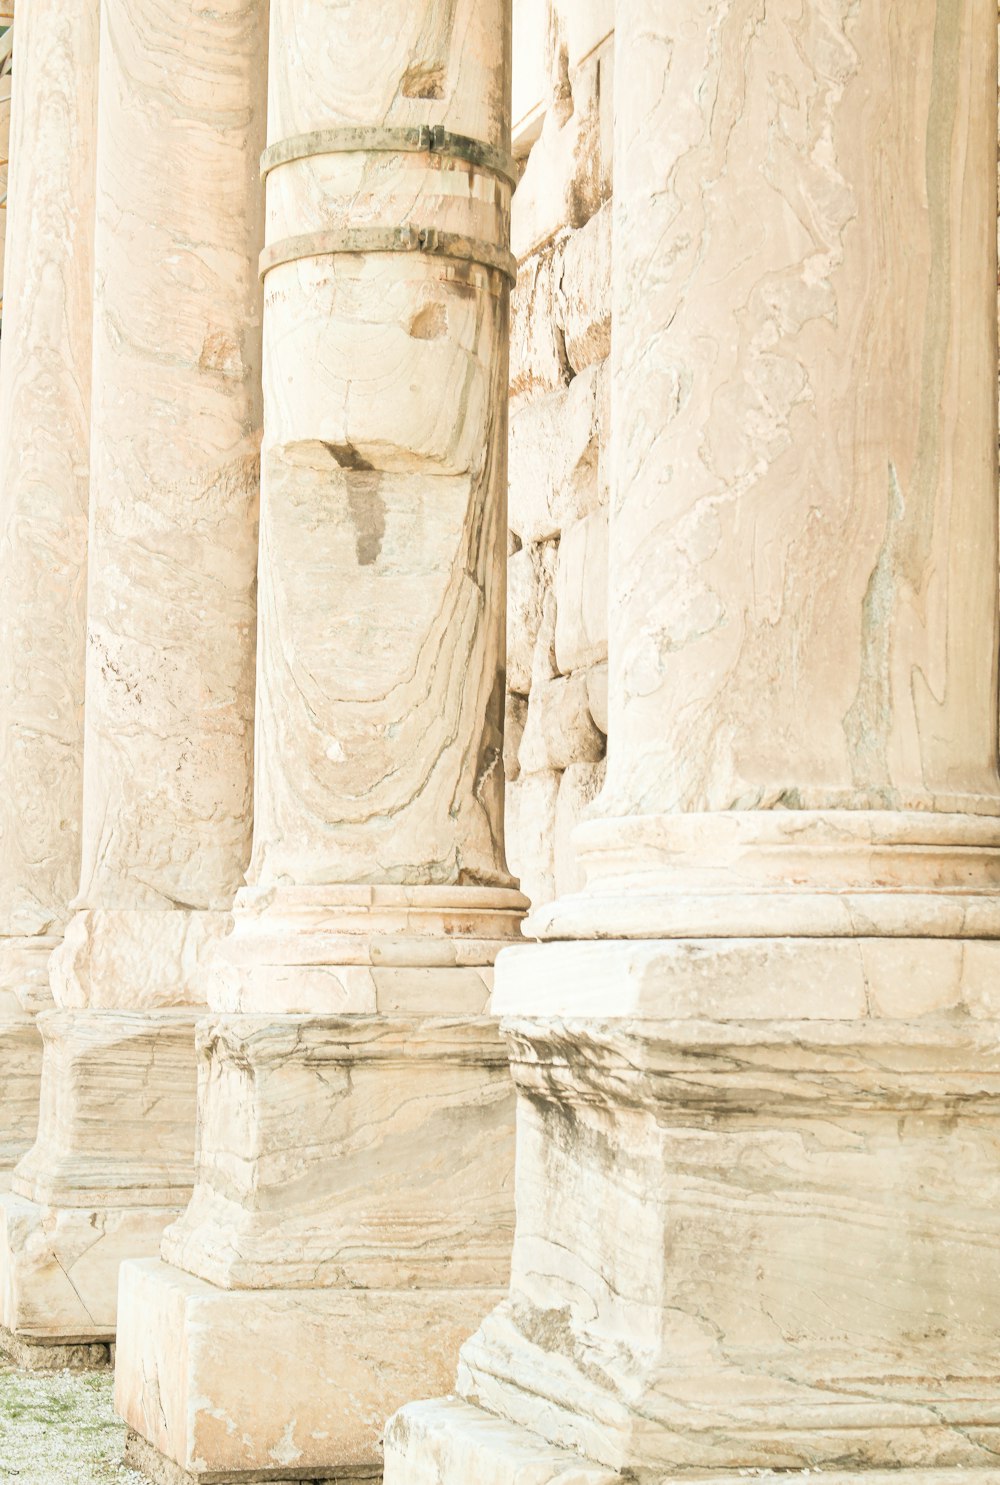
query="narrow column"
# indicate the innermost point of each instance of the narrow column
(765, 1032)
(44, 468)
(360, 1222)
(169, 715)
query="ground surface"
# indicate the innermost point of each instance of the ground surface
(59, 1428)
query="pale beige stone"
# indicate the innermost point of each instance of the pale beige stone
(584, 296)
(578, 788)
(44, 465)
(326, 1368)
(515, 717)
(382, 467)
(763, 1035)
(560, 729)
(778, 641)
(359, 1151)
(177, 414)
(530, 576)
(581, 587)
(44, 476)
(563, 183)
(434, 1442)
(533, 802)
(170, 614)
(116, 1119)
(60, 1267)
(553, 460)
(538, 358)
(352, 1206)
(597, 696)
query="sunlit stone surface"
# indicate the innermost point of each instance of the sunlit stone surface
(764, 1033)
(170, 645)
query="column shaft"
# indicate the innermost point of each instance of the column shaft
(44, 481)
(365, 1223)
(793, 869)
(170, 658)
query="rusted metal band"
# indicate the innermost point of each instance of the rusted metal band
(423, 139)
(390, 240)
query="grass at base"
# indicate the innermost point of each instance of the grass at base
(59, 1428)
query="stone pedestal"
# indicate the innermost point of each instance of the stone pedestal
(352, 1210)
(764, 1035)
(44, 479)
(170, 629)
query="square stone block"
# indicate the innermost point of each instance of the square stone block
(59, 1268)
(277, 1384)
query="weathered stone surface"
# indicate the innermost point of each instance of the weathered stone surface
(530, 575)
(584, 292)
(579, 787)
(360, 1151)
(326, 1368)
(532, 814)
(553, 460)
(538, 359)
(560, 729)
(563, 182)
(381, 540)
(176, 426)
(44, 465)
(116, 1117)
(60, 1270)
(829, 650)
(597, 696)
(447, 1440)
(515, 717)
(582, 593)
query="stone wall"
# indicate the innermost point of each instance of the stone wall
(558, 513)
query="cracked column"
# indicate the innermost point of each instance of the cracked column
(352, 1212)
(44, 482)
(170, 658)
(765, 1034)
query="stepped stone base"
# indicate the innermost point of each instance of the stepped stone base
(59, 1272)
(39, 1356)
(277, 1384)
(449, 1442)
(141, 1456)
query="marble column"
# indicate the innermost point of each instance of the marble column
(765, 1034)
(44, 471)
(170, 652)
(353, 1205)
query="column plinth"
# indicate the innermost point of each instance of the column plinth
(764, 1033)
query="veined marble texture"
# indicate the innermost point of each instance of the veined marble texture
(380, 678)
(801, 1267)
(358, 1151)
(44, 463)
(177, 414)
(803, 528)
(117, 1114)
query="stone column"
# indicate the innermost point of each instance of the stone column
(44, 469)
(352, 1210)
(765, 1033)
(169, 714)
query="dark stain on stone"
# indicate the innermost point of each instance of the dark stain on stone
(364, 499)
